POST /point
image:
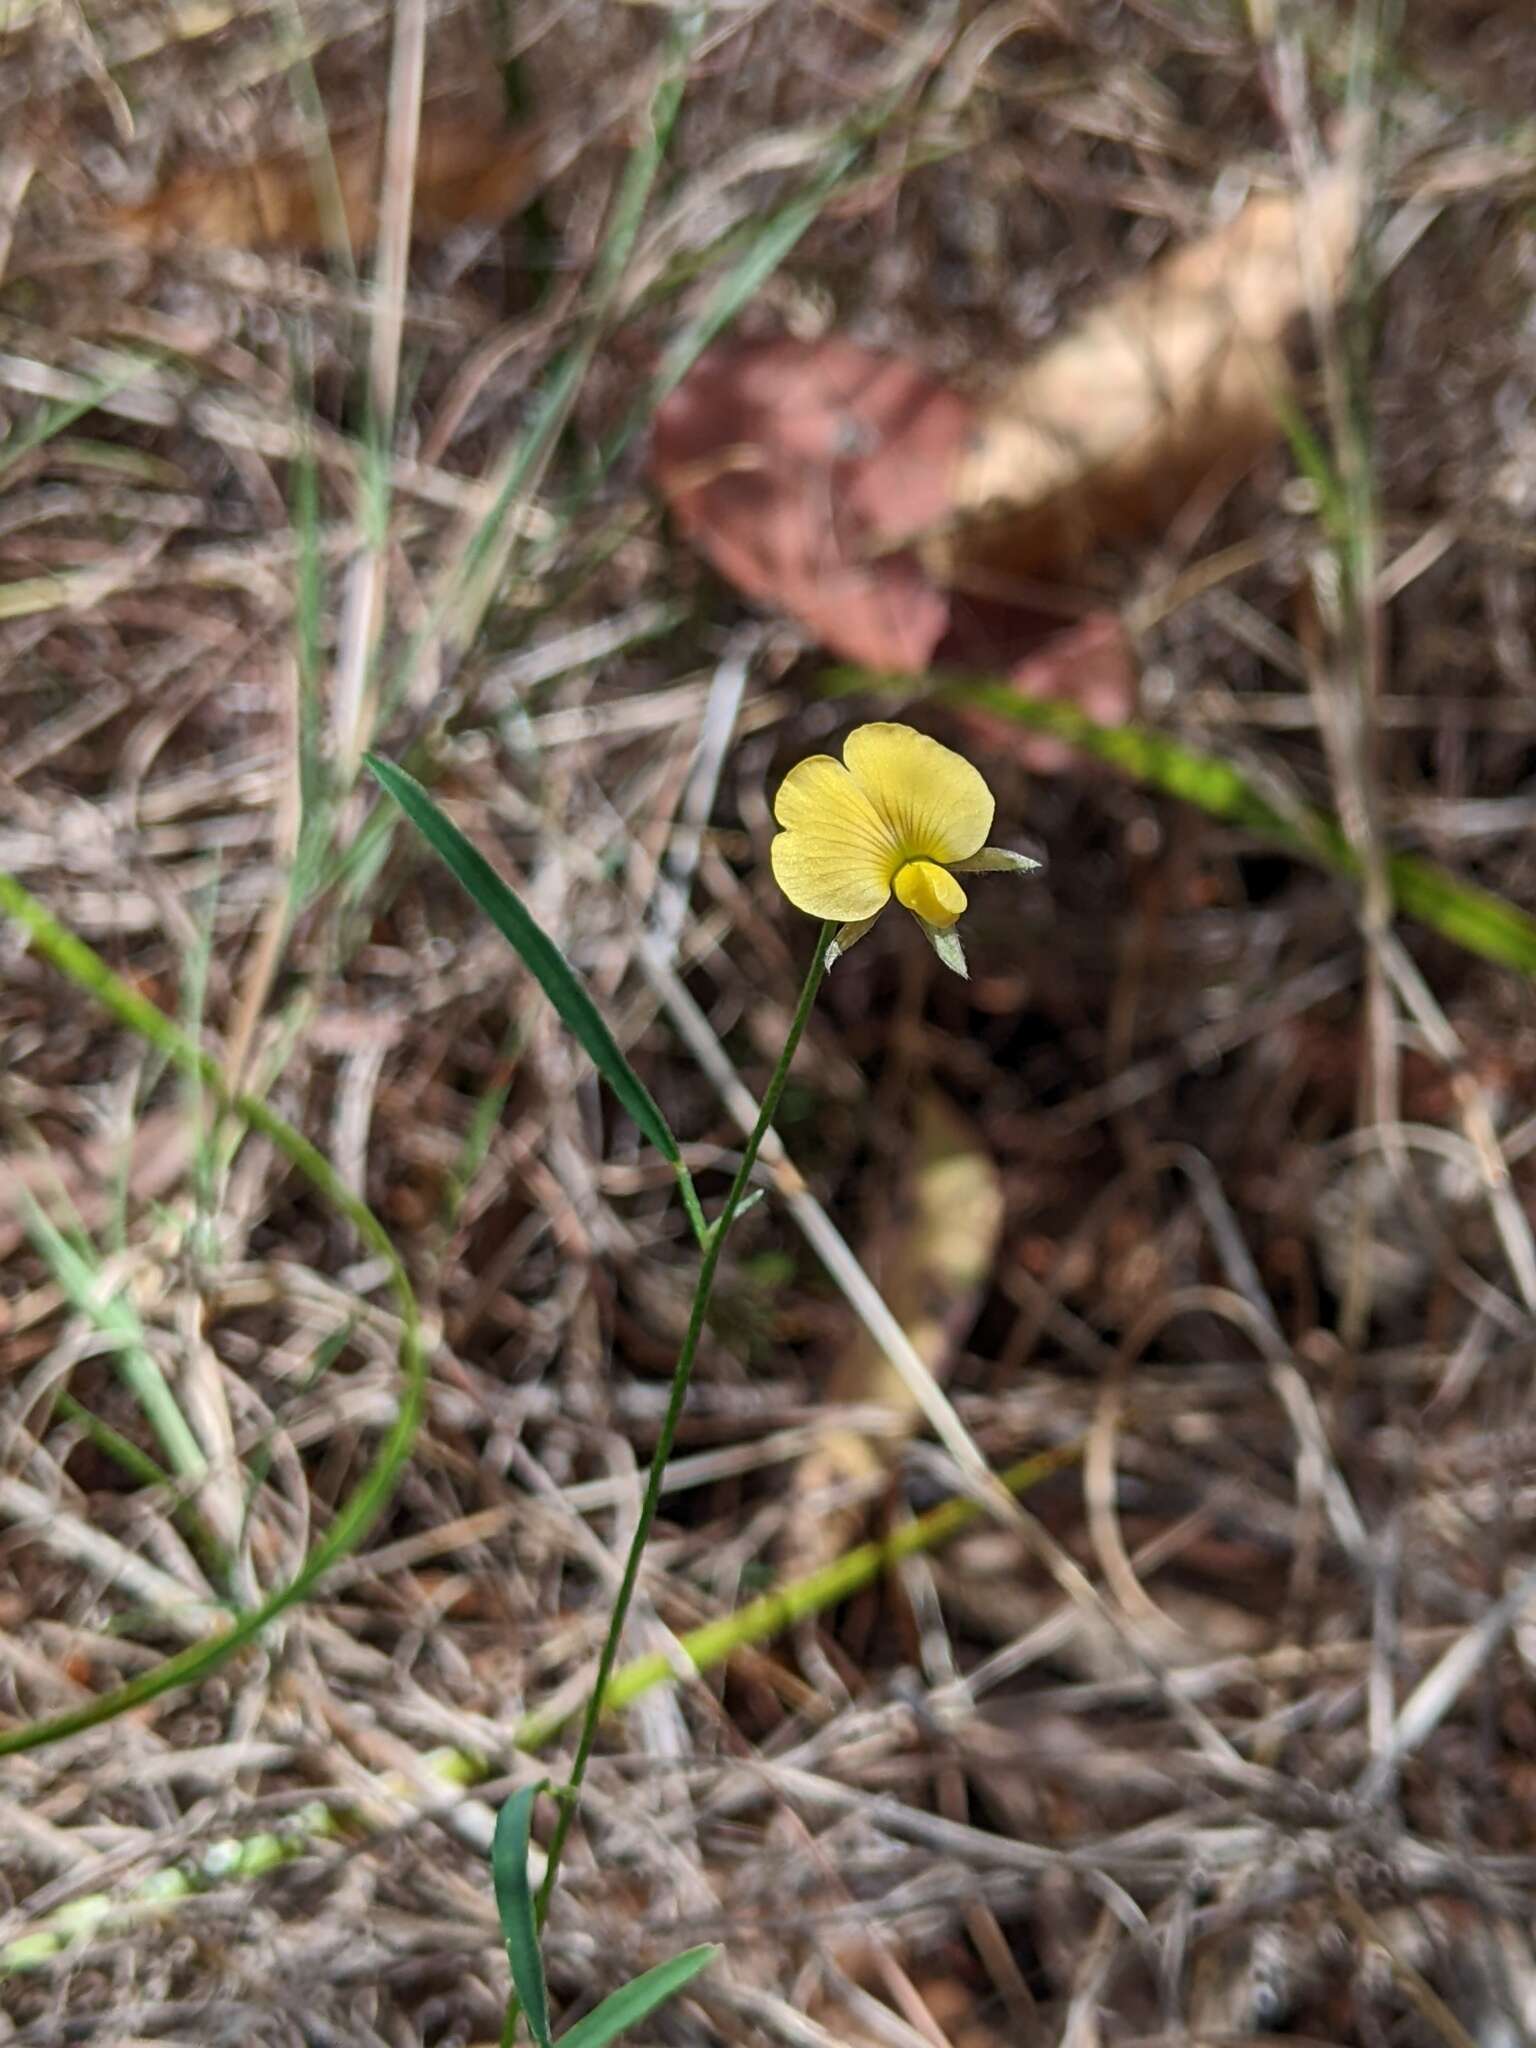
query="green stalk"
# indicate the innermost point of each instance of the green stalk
(715, 1245)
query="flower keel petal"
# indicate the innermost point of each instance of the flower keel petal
(930, 893)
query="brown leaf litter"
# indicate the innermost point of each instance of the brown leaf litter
(908, 527)
(470, 167)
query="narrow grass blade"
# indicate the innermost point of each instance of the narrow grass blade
(1471, 917)
(458, 606)
(515, 1908)
(138, 1464)
(771, 243)
(113, 1314)
(484, 1118)
(361, 1507)
(635, 2001)
(535, 948)
(317, 794)
(53, 418)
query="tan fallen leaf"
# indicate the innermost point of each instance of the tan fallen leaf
(932, 1264)
(470, 167)
(1169, 380)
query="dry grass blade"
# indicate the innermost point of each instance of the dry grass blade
(1228, 1739)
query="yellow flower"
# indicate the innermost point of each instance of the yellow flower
(898, 814)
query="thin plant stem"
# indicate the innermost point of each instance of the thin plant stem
(682, 1372)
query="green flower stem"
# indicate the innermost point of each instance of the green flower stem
(714, 1246)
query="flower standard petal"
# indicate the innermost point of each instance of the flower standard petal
(836, 854)
(819, 798)
(931, 893)
(935, 803)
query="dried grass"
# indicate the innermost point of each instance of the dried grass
(1267, 1768)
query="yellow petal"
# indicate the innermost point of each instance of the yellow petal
(816, 877)
(930, 893)
(934, 802)
(836, 855)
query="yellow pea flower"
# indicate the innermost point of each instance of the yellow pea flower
(899, 814)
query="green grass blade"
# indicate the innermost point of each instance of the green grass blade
(138, 1464)
(457, 611)
(538, 952)
(317, 792)
(771, 242)
(775, 1613)
(111, 1312)
(1471, 917)
(358, 1511)
(484, 1118)
(52, 419)
(515, 1908)
(635, 2001)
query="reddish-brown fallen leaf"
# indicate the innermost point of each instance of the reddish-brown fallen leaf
(1166, 381)
(854, 491)
(793, 465)
(469, 167)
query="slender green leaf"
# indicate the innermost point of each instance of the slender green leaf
(114, 1315)
(771, 242)
(536, 949)
(515, 1907)
(635, 2001)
